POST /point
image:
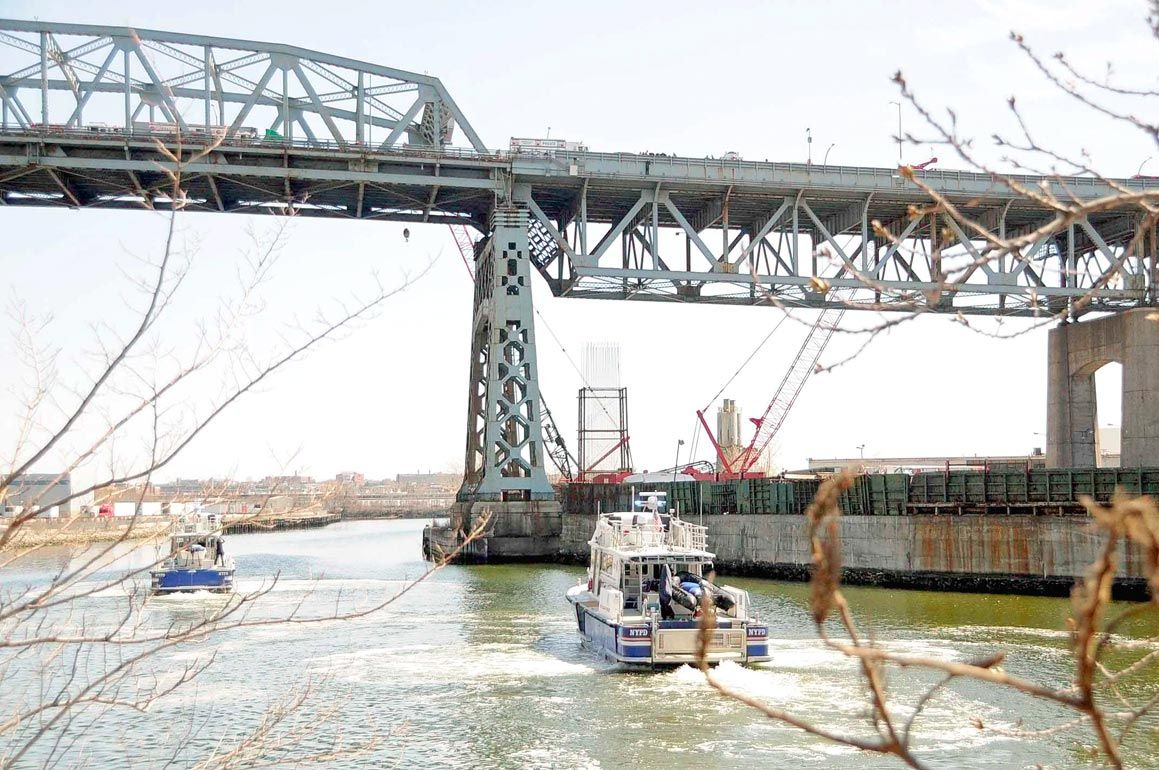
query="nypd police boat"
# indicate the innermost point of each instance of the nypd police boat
(197, 560)
(647, 588)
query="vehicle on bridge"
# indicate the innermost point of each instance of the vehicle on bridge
(197, 560)
(647, 590)
(192, 130)
(144, 128)
(548, 147)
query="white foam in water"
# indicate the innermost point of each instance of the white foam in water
(325, 585)
(803, 654)
(498, 663)
(554, 758)
(189, 597)
(837, 698)
(983, 633)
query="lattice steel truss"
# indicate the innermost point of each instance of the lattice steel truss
(276, 129)
(76, 77)
(797, 235)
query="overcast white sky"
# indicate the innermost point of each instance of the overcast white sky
(677, 77)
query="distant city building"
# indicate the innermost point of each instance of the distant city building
(197, 488)
(728, 432)
(1108, 446)
(285, 485)
(444, 480)
(353, 479)
(128, 493)
(44, 490)
(295, 479)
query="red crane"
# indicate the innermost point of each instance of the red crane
(786, 394)
(466, 245)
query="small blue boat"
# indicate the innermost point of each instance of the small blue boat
(197, 560)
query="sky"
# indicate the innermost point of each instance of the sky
(389, 396)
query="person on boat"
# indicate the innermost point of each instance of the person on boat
(220, 557)
(196, 549)
(666, 611)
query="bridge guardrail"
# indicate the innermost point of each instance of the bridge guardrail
(236, 142)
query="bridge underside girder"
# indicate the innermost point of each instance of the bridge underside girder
(791, 244)
(90, 116)
(245, 179)
(787, 237)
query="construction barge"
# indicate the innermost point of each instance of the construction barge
(992, 530)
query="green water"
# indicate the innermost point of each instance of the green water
(481, 667)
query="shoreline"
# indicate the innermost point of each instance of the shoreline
(40, 533)
(75, 531)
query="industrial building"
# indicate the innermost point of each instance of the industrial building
(43, 490)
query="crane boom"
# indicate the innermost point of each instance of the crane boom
(557, 450)
(794, 380)
(466, 246)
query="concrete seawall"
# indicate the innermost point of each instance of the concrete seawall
(995, 553)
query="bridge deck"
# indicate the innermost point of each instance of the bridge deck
(85, 111)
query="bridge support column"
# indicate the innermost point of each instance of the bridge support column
(1076, 352)
(504, 473)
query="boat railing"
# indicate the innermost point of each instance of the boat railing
(197, 523)
(682, 534)
(646, 534)
(628, 535)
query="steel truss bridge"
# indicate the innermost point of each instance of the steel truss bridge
(100, 117)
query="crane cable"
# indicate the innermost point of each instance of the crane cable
(746, 363)
(547, 326)
(567, 355)
(696, 423)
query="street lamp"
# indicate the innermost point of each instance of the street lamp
(861, 449)
(825, 162)
(898, 105)
(809, 146)
(679, 443)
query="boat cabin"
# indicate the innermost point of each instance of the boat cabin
(654, 565)
(190, 551)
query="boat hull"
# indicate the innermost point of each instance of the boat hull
(667, 643)
(185, 580)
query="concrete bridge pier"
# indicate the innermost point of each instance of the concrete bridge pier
(1076, 352)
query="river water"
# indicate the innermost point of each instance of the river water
(481, 667)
